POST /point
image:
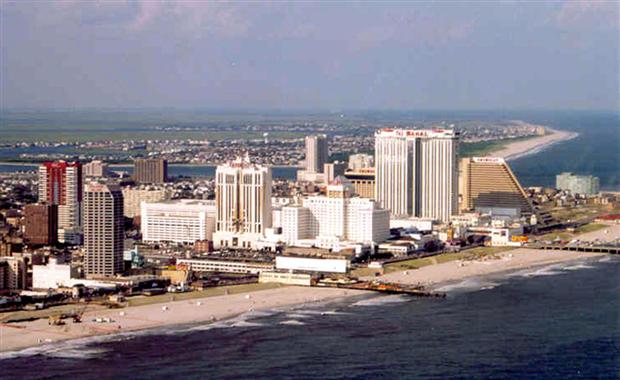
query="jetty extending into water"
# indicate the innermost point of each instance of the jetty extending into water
(383, 287)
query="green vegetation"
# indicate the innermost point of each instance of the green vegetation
(483, 148)
(469, 254)
(25, 315)
(211, 292)
(590, 227)
(565, 235)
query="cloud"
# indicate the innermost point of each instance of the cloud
(191, 18)
(147, 12)
(584, 13)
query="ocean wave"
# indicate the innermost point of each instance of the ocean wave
(73, 348)
(469, 284)
(77, 353)
(550, 270)
(578, 266)
(292, 322)
(382, 300)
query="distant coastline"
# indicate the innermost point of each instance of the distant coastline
(510, 151)
(522, 148)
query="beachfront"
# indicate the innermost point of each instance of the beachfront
(436, 276)
(16, 336)
(534, 145)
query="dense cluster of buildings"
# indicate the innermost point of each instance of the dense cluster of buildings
(413, 194)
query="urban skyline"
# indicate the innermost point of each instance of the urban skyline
(280, 190)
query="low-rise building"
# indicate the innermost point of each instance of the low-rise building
(287, 278)
(312, 264)
(578, 184)
(224, 265)
(179, 221)
(57, 273)
(338, 215)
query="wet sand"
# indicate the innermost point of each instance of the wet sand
(16, 336)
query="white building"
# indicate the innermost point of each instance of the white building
(416, 172)
(337, 216)
(361, 161)
(243, 204)
(134, 196)
(178, 221)
(310, 264)
(55, 274)
(577, 184)
(224, 266)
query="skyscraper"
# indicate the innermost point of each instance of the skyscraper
(416, 172)
(243, 203)
(316, 153)
(60, 183)
(103, 229)
(150, 170)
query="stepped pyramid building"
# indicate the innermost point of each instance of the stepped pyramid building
(488, 184)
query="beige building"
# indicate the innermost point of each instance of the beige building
(363, 181)
(95, 168)
(13, 273)
(103, 229)
(488, 183)
(134, 196)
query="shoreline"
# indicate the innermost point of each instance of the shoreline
(520, 149)
(436, 276)
(38, 336)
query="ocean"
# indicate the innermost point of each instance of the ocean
(595, 151)
(561, 321)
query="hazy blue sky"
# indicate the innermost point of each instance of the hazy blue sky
(313, 55)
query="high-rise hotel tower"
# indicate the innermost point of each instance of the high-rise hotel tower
(416, 172)
(103, 229)
(60, 183)
(243, 203)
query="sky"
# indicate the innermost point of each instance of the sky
(310, 55)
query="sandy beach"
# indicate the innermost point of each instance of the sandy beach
(436, 276)
(16, 336)
(39, 335)
(534, 145)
